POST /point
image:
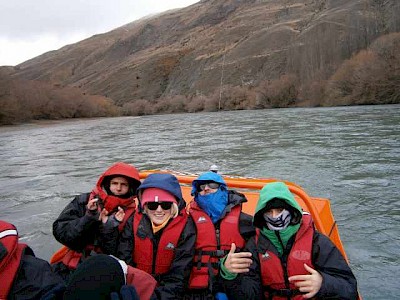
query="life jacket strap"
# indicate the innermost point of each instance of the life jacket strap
(281, 292)
(212, 253)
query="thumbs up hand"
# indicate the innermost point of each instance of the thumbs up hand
(237, 262)
(233, 248)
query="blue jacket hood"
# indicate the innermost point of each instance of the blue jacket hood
(167, 182)
(207, 177)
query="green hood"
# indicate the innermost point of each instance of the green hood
(271, 191)
(281, 191)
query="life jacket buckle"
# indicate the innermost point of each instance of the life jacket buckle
(285, 292)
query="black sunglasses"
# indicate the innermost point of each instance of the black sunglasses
(211, 185)
(154, 205)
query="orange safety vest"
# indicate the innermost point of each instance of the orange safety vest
(143, 250)
(10, 258)
(273, 275)
(211, 247)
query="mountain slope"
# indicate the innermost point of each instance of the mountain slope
(231, 42)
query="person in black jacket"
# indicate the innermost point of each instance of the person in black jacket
(92, 221)
(290, 259)
(159, 238)
(221, 228)
(22, 275)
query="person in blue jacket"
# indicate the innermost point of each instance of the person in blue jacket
(221, 228)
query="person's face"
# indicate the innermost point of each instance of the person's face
(158, 212)
(119, 186)
(208, 188)
(273, 212)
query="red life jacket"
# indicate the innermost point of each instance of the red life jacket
(11, 257)
(143, 250)
(274, 277)
(72, 258)
(211, 247)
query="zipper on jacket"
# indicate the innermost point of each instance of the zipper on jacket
(283, 258)
(217, 234)
(155, 250)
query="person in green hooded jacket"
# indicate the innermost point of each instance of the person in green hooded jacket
(290, 259)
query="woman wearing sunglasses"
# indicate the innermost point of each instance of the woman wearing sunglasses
(221, 228)
(158, 238)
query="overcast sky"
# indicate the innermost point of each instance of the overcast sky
(29, 28)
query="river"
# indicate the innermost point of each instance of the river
(350, 155)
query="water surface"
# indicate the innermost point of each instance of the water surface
(350, 155)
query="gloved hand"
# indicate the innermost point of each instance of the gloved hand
(54, 293)
(221, 296)
(127, 292)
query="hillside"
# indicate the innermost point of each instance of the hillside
(232, 43)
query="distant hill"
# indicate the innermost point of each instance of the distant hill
(197, 50)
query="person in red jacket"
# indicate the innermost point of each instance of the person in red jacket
(290, 259)
(92, 221)
(22, 275)
(221, 227)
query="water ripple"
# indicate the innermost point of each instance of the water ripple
(350, 155)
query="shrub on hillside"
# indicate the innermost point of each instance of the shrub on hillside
(137, 108)
(370, 77)
(281, 92)
(171, 104)
(195, 104)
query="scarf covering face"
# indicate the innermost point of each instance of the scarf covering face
(284, 235)
(213, 204)
(109, 202)
(280, 222)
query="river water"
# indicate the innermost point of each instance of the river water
(350, 155)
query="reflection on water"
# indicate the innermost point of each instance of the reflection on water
(349, 154)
